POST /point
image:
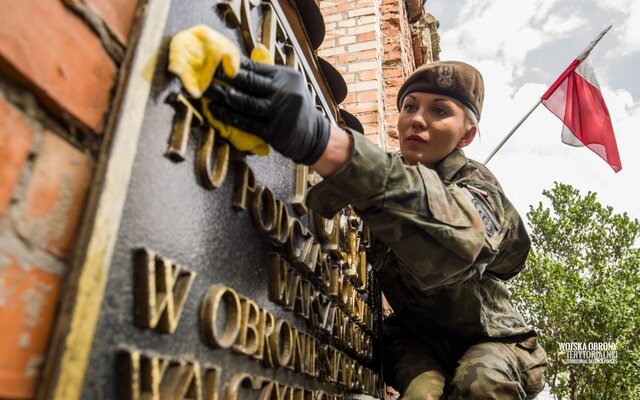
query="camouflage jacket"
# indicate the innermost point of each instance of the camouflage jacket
(454, 238)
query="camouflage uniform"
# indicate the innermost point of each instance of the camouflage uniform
(454, 237)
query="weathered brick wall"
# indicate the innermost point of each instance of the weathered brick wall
(353, 45)
(372, 44)
(398, 62)
(59, 65)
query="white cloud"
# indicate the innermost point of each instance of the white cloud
(506, 29)
(559, 26)
(626, 26)
(630, 31)
(617, 5)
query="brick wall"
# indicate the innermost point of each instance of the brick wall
(375, 45)
(353, 45)
(59, 64)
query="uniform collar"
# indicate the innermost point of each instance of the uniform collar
(451, 164)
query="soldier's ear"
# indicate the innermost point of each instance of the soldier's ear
(468, 137)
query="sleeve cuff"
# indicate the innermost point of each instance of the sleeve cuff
(359, 181)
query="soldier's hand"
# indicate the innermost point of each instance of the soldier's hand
(274, 103)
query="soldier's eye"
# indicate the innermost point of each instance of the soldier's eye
(439, 111)
(410, 107)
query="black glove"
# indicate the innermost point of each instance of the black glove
(272, 102)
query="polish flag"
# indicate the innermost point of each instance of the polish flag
(576, 99)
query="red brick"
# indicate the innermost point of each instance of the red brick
(368, 117)
(364, 107)
(351, 98)
(366, 36)
(331, 28)
(345, 6)
(54, 53)
(367, 55)
(372, 129)
(345, 58)
(328, 43)
(16, 136)
(394, 82)
(370, 95)
(53, 205)
(329, 10)
(348, 78)
(389, 16)
(367, 75)
(364, 3)
(27, 310)
(391, 37)
(391, 119)
(394, 72)
(333, 60)
(392, 55)
(117, 14)
(342, 68)
(365, 20)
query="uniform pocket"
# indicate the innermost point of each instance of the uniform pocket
(532, 361)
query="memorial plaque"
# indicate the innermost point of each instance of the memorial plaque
(221, 283)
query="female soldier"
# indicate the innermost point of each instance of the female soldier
(454, 236)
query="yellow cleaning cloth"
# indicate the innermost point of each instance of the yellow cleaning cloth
(194, 55)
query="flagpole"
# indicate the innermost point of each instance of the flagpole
(512, 132)
(593, 43)
(580, 57)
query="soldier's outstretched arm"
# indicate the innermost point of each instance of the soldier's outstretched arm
(337, 153)
(273, 102)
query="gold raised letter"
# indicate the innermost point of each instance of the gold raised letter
(162, 291)
(241, 380)
(238, 13)
(263, 210)
(278, 281)
(267, 324)
(151, 377)
(211, 382)
(182, 125)
(247, 341)
(300, 189)
(298, 241)
(213, 174)
(281, 342)
(182, 381)
(245, 184)
(328, 231)
(280, 232)
(216, 336)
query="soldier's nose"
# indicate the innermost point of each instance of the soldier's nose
(418, 122)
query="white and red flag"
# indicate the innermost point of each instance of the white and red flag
(576, 99)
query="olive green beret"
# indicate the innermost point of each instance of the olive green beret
(450, 78)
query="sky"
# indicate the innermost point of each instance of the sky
(521, 47)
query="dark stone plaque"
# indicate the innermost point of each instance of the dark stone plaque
(222, 284)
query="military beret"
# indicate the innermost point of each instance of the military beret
(450, 78)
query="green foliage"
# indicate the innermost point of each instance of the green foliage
(582, 284)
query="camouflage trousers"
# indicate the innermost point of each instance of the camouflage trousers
(441, 366)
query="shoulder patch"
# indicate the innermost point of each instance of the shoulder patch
(479, 199)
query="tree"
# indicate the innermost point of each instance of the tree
(582, 284)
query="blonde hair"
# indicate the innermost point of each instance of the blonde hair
(470, 119)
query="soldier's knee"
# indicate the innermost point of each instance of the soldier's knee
(481, 381)
(427, 386)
